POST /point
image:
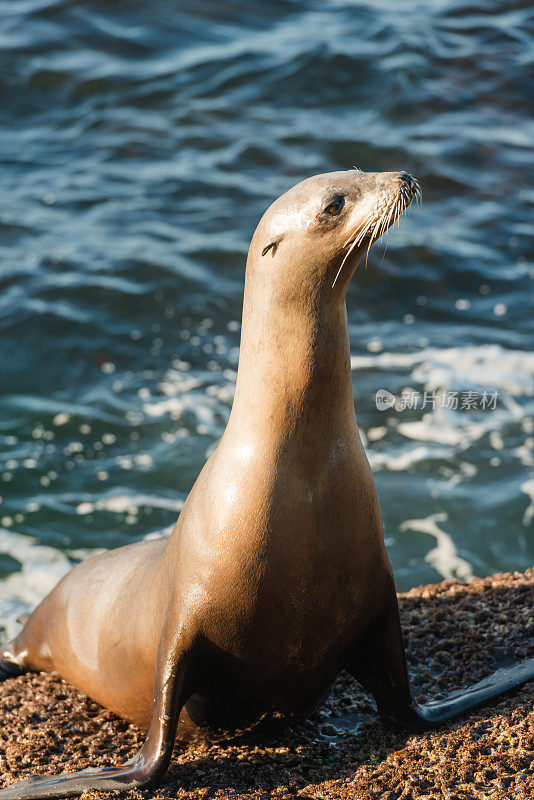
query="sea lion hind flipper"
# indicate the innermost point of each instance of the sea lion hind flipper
(499, 682)
(379, 663)
(148, 765)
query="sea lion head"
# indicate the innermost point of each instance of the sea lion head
(311, 239)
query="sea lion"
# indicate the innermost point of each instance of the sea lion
(276, 575)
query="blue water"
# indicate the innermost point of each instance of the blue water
(140, 143)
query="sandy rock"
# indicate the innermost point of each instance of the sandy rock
(455, 634)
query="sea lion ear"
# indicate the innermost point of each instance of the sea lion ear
(273, 246)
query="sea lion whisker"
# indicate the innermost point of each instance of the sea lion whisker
(372, 239)
(361, 231)
(418, 195)
(382, 220)
(369, 221)
(382, 228)
(385, 227)
(351, 248)
(369, 218)
(386, 232)
(382, 224)
(387, 220)
(390, 215)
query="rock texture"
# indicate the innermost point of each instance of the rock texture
(455, 634)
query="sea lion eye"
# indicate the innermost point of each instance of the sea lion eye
(335, 207)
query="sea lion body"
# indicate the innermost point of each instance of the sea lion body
(271, 596)
(275, 576)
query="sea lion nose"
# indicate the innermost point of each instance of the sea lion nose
(409, 181)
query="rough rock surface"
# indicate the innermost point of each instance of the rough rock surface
(455, 634)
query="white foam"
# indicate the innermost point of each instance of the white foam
(375, 434)
(426, 429)
(444, 556)
(186, 394)
(447, 432)
(128, 504)
(41, 568)
(453, 428)
(398, 459)
(460, 368)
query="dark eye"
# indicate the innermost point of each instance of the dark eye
(335, 207)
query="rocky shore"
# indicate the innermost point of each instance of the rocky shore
(455, 634)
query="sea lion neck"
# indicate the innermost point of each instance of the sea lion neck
(294, 366)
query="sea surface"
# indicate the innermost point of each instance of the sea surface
(140, 142)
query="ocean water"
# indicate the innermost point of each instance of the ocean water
(139, 145)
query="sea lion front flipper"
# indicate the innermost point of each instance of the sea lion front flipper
(148, 766)
(378, 661)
